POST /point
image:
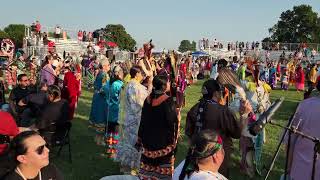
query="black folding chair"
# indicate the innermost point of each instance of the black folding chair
(63, 138)
(57, 136)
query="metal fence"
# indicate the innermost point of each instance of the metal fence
(276, 46)
(205, 44)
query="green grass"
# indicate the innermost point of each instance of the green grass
(89, 164)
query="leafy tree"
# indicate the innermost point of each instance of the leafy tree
(16, 33)
(117, 33)
(3, 35)
(193, 46)
(185, 45)
(299, 25)
(52, 34)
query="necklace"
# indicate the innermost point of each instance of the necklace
(23, 177)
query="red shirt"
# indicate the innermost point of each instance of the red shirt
(38, 27)
(8, 127)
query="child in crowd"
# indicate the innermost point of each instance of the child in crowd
(284, 80)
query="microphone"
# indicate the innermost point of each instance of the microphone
(265, 117)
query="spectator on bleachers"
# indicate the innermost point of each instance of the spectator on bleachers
(57, 33)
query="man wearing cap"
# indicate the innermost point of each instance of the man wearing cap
(211, 113)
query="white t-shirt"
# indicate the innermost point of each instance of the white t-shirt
(58, 30)
(201, 175)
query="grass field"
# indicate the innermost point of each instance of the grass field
(89, 164)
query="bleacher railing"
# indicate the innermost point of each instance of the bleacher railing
(206, 44)
(275, 46)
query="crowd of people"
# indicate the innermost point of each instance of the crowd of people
(136, 111)
(205, 44)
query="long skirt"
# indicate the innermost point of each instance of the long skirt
(157, 168)
(291, 78)
(284, 86)
(299, 86)
(98, 114)
(126, 153)
(112, 139)
(247, 155)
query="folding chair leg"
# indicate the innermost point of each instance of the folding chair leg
(69, 143)
(59, 151)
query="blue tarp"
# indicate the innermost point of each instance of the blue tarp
(199, 53)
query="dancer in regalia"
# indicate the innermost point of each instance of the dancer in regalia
(299, 78)
(159, 123)
(257, 92)
(98, 114)
(70, 90)
(113, 103)
(135, 94)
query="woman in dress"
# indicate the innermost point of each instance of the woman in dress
(113, 103)
(136, 93)
(98, 114)
(158, 132)
(273, 77)
(48, 74)
(70, 90)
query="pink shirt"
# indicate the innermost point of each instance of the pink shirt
(307, 116)
(48, 74)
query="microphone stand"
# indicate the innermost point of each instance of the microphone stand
(278, 150)
(293, 129)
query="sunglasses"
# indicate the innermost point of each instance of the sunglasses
(40, 149)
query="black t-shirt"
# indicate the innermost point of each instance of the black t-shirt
(36, 101)
(54, 112)
(218, 118)
(48, 172)
(18, 93)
